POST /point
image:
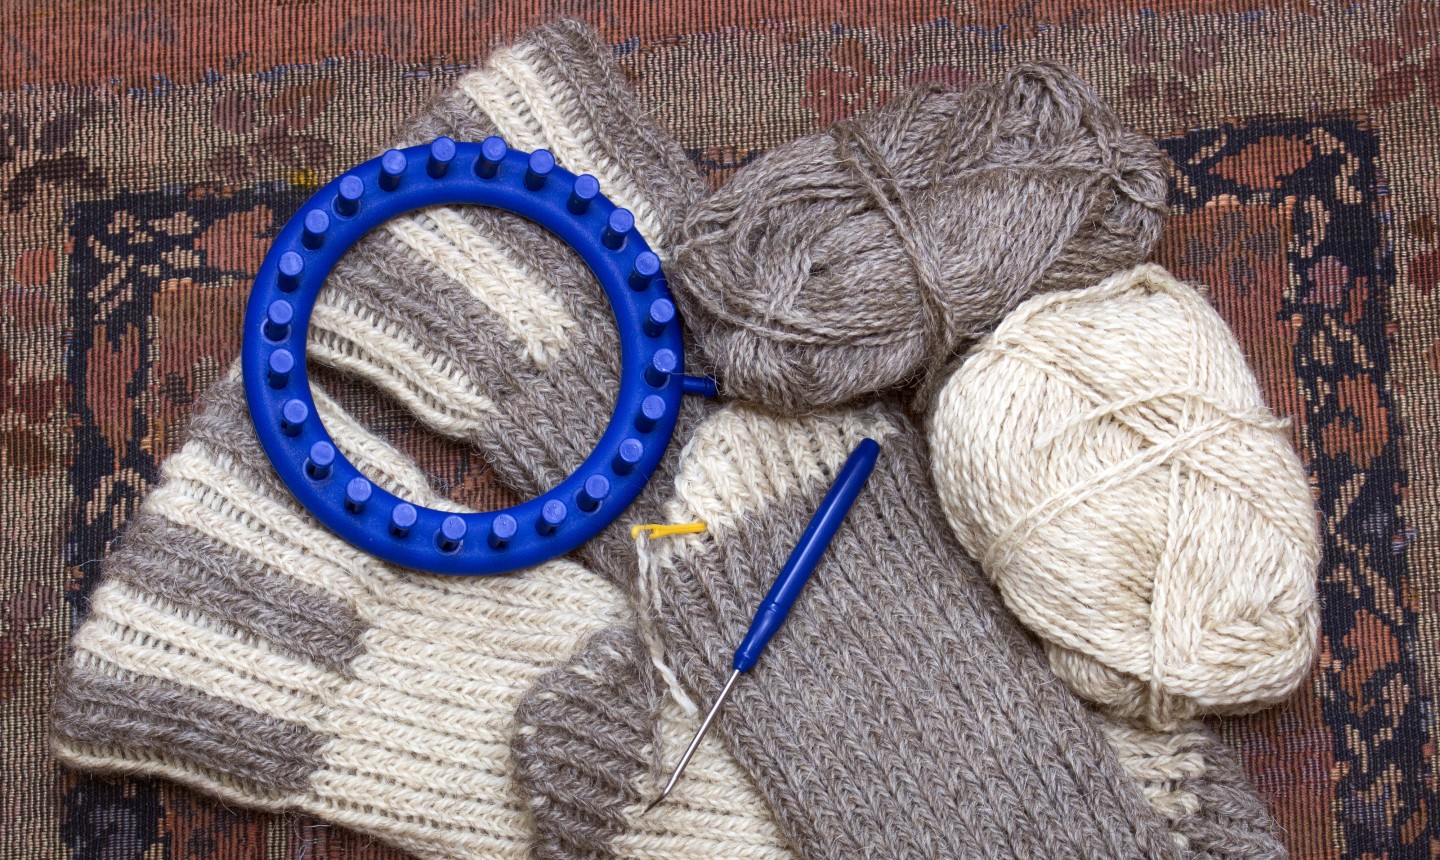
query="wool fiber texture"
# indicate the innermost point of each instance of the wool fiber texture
(917, 720)
(532, 391)
(863, 258)
(1195, 781)
(237, 646)
(1108, 457)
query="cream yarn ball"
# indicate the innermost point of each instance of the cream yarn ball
(1107, 455)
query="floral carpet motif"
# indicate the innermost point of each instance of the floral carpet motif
(149, 152)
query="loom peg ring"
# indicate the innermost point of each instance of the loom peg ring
(356, 508)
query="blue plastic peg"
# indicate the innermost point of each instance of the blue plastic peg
(533, 186)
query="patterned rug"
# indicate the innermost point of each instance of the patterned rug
(148, 152)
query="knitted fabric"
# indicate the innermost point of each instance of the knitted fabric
(902, 689)
(586, 751)
(535, 418)
(526, 373)
(237, 646)
(900, 713)
(1195, 782)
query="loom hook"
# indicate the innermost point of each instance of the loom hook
(775, 608)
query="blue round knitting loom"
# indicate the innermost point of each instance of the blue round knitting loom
(488, 173)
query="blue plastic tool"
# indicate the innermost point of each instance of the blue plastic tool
(529, 184)
(775, 608)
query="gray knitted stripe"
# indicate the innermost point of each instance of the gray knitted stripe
(446, 318)
(986, 749)
(918, 683)
(451, 113)
(196, 572)
(548, 421)
(580, 738)
(605, 106)
(109, 709)
(159, 719)
(1232, 822)
(443, 316)
(223, 427)
(571, 402)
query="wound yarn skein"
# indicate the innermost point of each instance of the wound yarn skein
(862, 259)
(1108, 457)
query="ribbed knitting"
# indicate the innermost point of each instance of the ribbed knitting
(535, 419)
(1195, 782)
(916, 720)
(589, 738)
(902, 712)
(239, 647)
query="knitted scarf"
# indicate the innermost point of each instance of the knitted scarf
(237, 646)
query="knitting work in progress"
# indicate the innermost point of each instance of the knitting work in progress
(1108, 457)
(861, 259)
(903, 712)
(237, 646)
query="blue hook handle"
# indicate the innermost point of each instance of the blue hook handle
(775, 608)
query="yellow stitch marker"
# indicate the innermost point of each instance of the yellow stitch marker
(659, 530)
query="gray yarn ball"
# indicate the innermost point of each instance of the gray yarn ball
(863, 259)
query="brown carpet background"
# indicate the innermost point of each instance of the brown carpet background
(148, 151)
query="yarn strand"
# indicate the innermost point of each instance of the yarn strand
(863, 259)
(1107, 454)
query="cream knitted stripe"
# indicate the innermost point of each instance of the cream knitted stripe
(565, 125)
(131, 632)
(782, 456)
(527, 107)
(419, 724)
(349, 337)
(497, 97)
(311, 624)
(1162, 763)
(1195, 781)
(538, 322)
